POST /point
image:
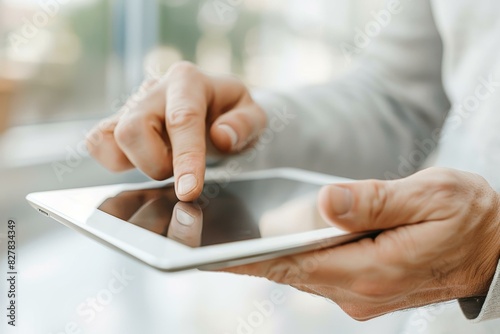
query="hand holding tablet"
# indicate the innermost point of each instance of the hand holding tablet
(256, 216)
(440, 240)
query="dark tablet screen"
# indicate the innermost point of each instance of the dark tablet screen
(229, 212)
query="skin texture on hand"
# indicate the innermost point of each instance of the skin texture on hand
(442, 227)
(441, 242)
(165, 131)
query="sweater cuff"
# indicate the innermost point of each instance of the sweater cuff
(478, 309)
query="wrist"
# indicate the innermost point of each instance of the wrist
(491, 249)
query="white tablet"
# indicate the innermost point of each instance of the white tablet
(237, 220)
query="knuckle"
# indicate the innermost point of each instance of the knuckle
(379, 200)
(448, 183)
(129, 129)
(189, 158)
(106, 152)
(480, 187)
(462, 191)
(485, 200)
(443, 181)
(451, 184)
(183, 117)
(454, 194)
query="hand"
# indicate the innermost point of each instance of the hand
(164, 132)
(441, 242)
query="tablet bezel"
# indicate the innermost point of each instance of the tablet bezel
(66, 206)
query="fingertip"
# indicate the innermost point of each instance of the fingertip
(189, 187)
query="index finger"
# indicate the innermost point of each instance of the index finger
(186, 112)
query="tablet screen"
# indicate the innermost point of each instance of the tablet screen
(234, 211)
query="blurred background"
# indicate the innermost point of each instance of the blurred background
(66, 60)
(65, 64)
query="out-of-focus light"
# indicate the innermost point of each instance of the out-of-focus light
(214, 54)
(253, 41)
(159, 60)
(294, 62)
(174, 3)
(304, 15)
(56, 47)
(266, 5)
(36, 3)
(16, 71)
(217, 17)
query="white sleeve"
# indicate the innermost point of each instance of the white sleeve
(373, 123)
(364, 124)
(480, 309)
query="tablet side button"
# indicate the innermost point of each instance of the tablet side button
(43, 212)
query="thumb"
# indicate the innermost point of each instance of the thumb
(238, 129)
(235, 119)
(373, 204)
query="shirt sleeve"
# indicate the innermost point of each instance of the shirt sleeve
(485, 308)
(378, 121)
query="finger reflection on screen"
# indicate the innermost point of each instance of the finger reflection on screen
(125, 204)
(154, 215)
(295, 216)
(241, 210)
(225, 219)
(186, 224)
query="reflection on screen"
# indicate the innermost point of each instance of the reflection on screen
(235, 211)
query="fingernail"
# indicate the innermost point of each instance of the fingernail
(183, 217)
(231, 133)
(186, 184)
(341, 200)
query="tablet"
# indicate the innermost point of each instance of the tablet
(238, 219)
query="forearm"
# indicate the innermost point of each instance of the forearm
(363, 125)
(350, 128)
